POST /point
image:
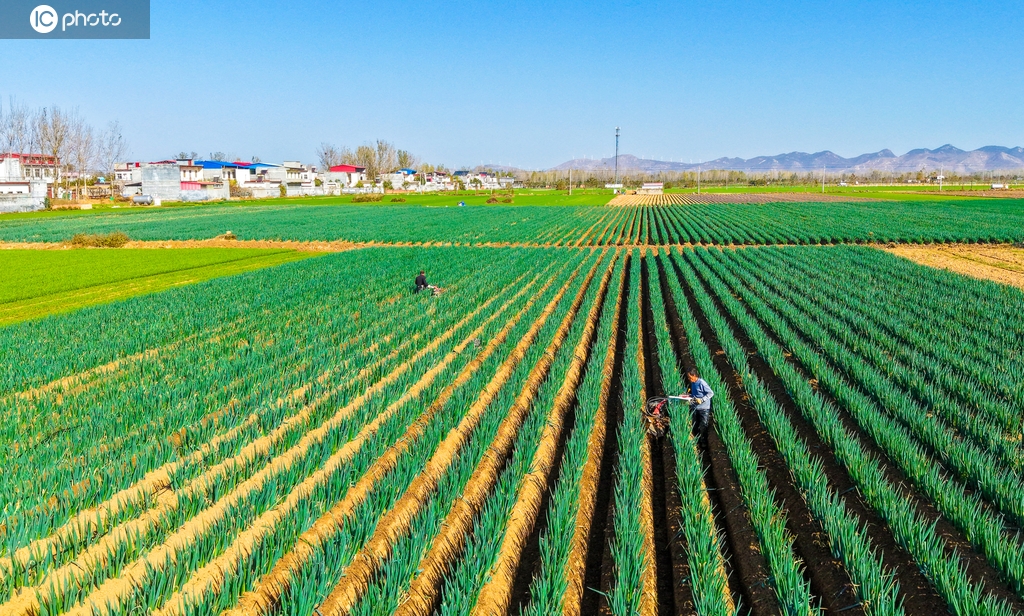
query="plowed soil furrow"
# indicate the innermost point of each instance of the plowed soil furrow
(212, 576)
(977, 566)
(168, 500)
(598, 576)
(711, 490)
(396, 522)
(674, 587)
(649, 597)
(917, 592)
(576, 565)
(267, 594)
(496, 595)
(661, 485)
(424, 589)
(829, 580)
(112, 592)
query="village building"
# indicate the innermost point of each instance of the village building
(346, 176)
(651, 188)
(23, 188)
(176, 180)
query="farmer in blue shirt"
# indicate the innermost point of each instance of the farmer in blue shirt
(700, 403)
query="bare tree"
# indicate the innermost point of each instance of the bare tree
(112, 149)
(83, 149)
(187, 155)
(366, 156)
(406, 160)
(377, 157)
(387, 156)
(328, 155)
(348, 157)
(54, 133)
(17, 128)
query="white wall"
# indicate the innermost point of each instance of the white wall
(162, 182)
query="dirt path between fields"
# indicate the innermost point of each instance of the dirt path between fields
(744, 198)
(211, 243)
(302, 246)
(999, 263)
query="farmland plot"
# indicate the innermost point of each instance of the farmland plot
(699, 223)
(316, 439)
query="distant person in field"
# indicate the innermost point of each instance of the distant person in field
(700, 404)
(421, 281)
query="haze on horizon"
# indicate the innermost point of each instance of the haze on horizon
(533, 84)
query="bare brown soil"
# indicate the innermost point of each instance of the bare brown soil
(916, 588)
(829, 579)
(599, 575)
(1000, 263)
(958, 546)
(669, 553)
(749, 576)
(310, 246)
(211, 243)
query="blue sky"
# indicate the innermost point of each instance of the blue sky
(536, 83)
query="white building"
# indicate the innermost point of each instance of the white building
(20, 190)
(651, 188)
(128, 173)
(179, 180)
(345, 176)
(403, 179)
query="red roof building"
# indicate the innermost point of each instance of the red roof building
(31, 159)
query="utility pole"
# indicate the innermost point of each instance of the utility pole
(823, 180)
(616, 156)
(698, 179)
(570, 181)
(940, 179)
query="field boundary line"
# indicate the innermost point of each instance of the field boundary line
(583, 237)
(496, 594)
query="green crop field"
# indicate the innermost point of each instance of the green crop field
(898, 192)
(799, 223)
(41, 282)
(313, 438)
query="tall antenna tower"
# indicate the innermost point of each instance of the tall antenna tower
(616, 154)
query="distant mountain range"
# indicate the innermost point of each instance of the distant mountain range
(949, 158)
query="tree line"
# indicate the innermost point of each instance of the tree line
(378, 157)
(560, 179)
(63, 134)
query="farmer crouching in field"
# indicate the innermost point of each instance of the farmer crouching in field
(421, 281)
(700, 404)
